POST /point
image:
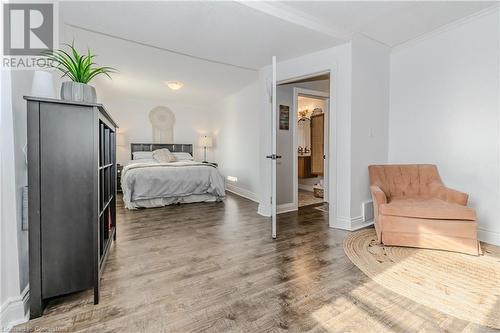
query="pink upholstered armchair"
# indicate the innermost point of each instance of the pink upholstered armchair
(413, 208)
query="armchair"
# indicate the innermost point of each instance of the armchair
(412, 207)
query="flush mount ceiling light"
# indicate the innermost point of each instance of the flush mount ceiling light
(174, 85)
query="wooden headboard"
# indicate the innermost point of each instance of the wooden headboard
(173, 147)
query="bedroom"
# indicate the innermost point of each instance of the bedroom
(408, 82)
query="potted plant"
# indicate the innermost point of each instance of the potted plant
(80, 69)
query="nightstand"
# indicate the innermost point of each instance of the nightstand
(119, 169)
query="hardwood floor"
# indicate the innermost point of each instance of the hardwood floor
(214, 267)
(307, 198)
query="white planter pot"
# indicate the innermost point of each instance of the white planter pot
(78, 92)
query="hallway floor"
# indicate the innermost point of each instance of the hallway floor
(307, 198)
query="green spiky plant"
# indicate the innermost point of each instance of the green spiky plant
(78, 67)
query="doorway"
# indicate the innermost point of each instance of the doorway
(302, 132)
(311, 139)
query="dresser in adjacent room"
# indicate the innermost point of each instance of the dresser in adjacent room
(71, 197)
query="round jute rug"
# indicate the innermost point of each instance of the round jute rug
(460, 285)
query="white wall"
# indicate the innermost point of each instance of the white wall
(236, 140)
(359, 107)
(12, 275)
(132, 115)
(445, 110)
(337, 60)
(369, 116)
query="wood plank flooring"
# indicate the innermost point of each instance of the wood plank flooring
(307, 198)
(214, 267)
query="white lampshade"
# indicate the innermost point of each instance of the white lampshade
(206, 141)
(120, 139)
(43, 85)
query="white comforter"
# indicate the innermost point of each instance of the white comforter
(152, 180)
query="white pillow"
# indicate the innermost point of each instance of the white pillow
(163, 156)
(142, 160)
(142, 155)
(183, 156)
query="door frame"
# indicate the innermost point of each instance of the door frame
(326, 97)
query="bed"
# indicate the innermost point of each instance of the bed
(147, 183)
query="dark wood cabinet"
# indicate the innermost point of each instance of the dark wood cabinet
(304, 166)
(71, 197)
(317, 144)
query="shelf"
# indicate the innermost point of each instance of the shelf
(106, 223)
(106, 206)
(109, 240)
(105, 166)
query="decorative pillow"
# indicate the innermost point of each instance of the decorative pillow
(183, 156)
(142, 155)
(163, 156)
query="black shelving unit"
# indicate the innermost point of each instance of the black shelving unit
(107, 189)
(71, 195)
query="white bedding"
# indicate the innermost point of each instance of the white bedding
(147, 183)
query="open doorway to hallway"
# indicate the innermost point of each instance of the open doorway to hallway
(302, 140)
(310, 147)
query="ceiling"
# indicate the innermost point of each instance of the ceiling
(389, 22)
(216, 48)
(143, 71)
(228, 31)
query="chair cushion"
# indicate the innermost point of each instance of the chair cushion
(427, 209)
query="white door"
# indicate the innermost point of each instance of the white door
(326, 145)
(273, 156)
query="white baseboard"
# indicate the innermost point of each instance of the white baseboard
(15, 310)
(285, 208)
(359, 223)
(340, 222)
(350, 223)
(264, 210)
(490, 237)
(242, 192)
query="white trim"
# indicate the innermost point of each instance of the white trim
(447, 27)
(15, 310)
(341, 222)
(359, 222)
(285, 208)
(350, 223)
(292, 15)
(242, 192)
(312, 93)
(302, 77)
(264, 210)
(490, 237)
(295, 158)
(274, 130)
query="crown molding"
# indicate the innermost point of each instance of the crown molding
(289, 14)
(447, 27)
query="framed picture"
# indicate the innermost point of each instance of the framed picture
(284, 117)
